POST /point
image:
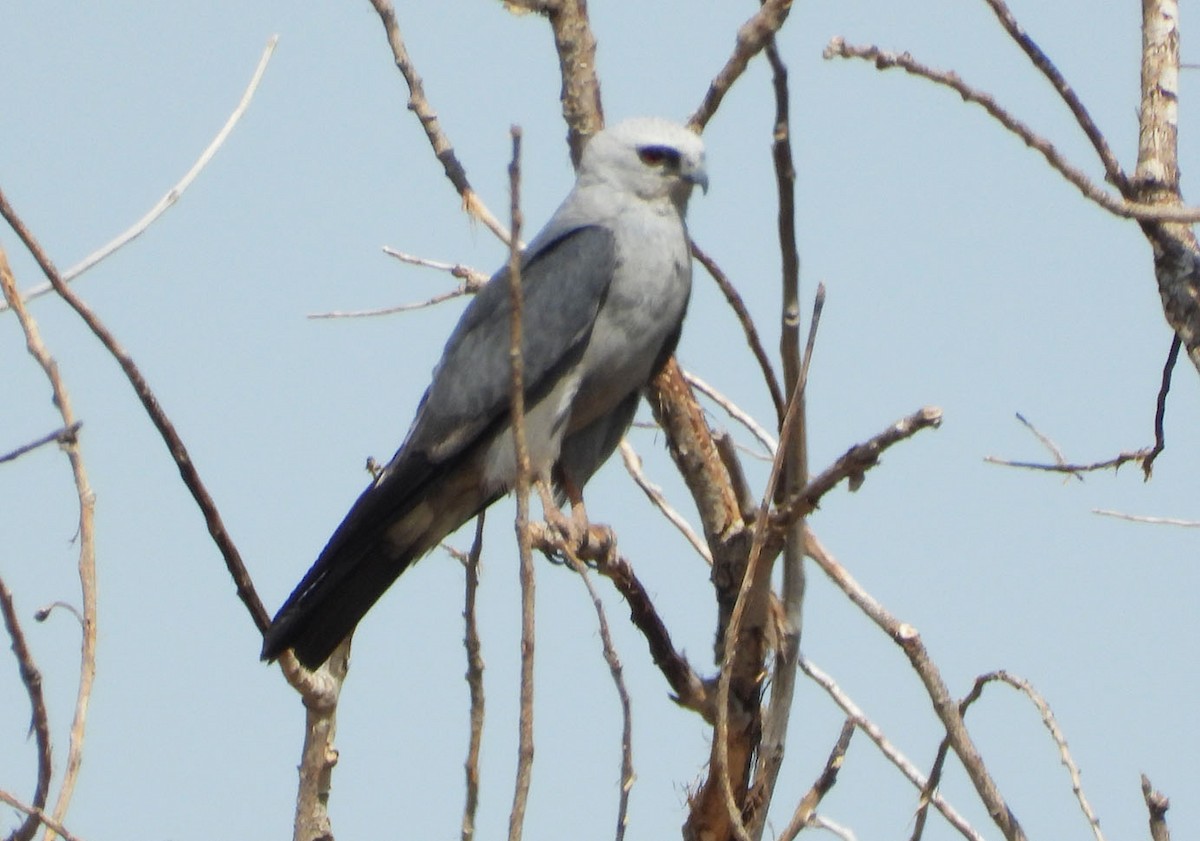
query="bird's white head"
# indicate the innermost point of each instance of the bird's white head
(648, 156)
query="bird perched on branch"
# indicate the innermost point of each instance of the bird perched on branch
(604, 288)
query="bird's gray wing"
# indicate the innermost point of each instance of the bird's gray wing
(433, 483)
(563, 286)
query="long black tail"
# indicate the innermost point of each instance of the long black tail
(392, 524)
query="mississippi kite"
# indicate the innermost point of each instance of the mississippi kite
(604, 287)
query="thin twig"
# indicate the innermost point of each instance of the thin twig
(87, 502)
(1060, 741)
(471, 281)
(39, 722)
(42, 613)
(615, 670)
(50, 823)
(734, 411)
(1110, 463)
(441, 297)
(1160, 407)
(833, 827)
(893, 755)
(884, 60)
(808, 804)
(65, 435)
(474, 681)
(173, 195)
(734, 299)
(1047, 442)
(633, 464)
(1155, 521)
(419, 105)
(472, 278)
(516, 819)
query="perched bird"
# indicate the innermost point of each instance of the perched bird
(604, 288)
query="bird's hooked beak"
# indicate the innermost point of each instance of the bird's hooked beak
(694, 173)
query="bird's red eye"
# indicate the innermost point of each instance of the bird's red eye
(659, 156)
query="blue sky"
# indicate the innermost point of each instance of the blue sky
(961, 272)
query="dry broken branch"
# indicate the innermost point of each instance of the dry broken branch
(1157, 804)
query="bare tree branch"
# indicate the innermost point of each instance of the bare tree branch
(1074, 469)
(175, 445)
(893, 755)
(87, 503)
(734, 298)
(576, 48)
(909, 640)
(173, 195)
(734, 411)
(741, 666)
(633, 464)
(1112, 167)
(1061, 465)
(1160, 407)
(516, 820)
(615, 669)
(474, 681)
(852, 466)
(473, 279)
(795, 463)
(808, 804)
(1156, 178)
(419, 105)
(884, 60)
(318, 756)
(52, 826)
(752, 37)
(1060, 741)
(690, 691)
(39, 723)
(1137, 518)
(1049, 444)
(65, 435)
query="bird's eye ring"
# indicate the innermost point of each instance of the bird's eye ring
(659, 156)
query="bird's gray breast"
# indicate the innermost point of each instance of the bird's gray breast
(646, 302)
